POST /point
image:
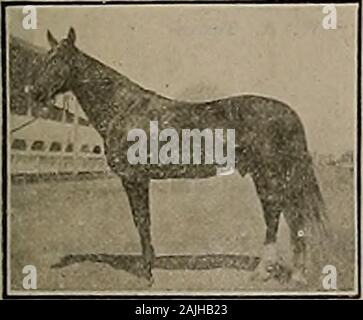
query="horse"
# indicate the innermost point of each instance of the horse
(271, 146)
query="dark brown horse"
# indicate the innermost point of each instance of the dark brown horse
(270, 144)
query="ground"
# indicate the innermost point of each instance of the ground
(206, 233)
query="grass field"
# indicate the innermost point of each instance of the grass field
(206, 233)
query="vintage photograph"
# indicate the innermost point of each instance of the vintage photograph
(190, 149)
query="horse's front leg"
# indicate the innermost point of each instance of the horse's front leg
(137, 190)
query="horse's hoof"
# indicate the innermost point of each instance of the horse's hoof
(262, 273)
(270, 264)
(298, 278)
(148, 274)
(150, 281)
(148, 277)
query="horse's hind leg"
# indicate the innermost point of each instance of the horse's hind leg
(298, 243)
(267, 190)
(138, 193)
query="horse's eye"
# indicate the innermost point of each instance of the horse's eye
(55, 61)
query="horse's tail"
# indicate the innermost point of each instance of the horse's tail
(309, 198)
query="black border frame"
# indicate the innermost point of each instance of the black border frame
(151, 296)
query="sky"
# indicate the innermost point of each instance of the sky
(199, 52)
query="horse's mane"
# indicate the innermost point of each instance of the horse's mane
(119, 77)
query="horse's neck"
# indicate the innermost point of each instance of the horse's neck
(96, 86)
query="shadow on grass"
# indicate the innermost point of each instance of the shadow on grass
(134, 263)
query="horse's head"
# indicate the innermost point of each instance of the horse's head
(55, 73)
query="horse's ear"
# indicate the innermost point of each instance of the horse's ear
(71, 35)
(52, 41)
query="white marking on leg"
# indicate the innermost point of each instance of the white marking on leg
(270, 253)
(300, 233)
